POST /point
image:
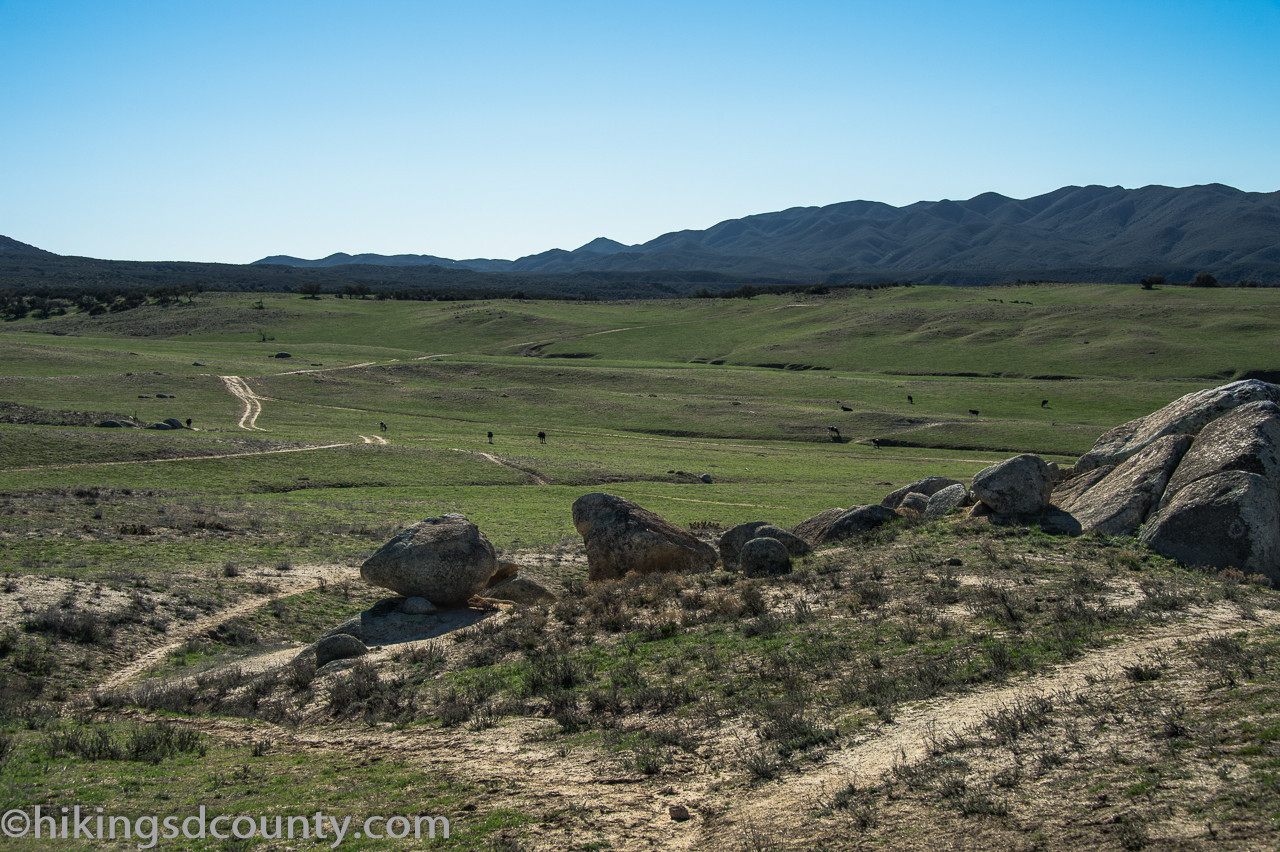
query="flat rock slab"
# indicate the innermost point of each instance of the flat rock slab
(384, 623)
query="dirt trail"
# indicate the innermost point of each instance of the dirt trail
(538, 480)
(300, 579)
(906, 739)
(240, 389)
(374, 439)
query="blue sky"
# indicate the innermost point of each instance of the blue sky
(227, 131)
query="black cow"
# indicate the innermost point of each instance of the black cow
(542, 437)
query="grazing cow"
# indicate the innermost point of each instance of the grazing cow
(910, 400)
(845, 408)
(490, 437)
(1044, 403)
(382, 426)
(875, 442)
(542, 437)
(835, 434)
(973, 411)
(188, 422)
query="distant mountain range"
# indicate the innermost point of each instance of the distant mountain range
(1073, 233)
(1090, 233)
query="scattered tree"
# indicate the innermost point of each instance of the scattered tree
(1152, 281)
(1204, 279)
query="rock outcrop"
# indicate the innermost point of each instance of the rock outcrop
(1247, 438)
(622, 538)
(1184, 416)
(445, 560)
(1117, 502)
(1225, 520)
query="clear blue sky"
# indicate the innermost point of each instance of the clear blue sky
(229, 130)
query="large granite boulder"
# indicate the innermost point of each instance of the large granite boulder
(855, 521)
(622, 538)
(1246, 438)
(1226, 520)
(445, 560)
(1017, 487)
(1184, 416)
(1119, 502)
(928, 486)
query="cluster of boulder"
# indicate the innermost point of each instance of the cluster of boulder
(1197, 481)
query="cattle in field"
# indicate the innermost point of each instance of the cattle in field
(973, 411)
(542, 437)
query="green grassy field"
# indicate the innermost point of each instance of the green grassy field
(242, 536)
(642, 405)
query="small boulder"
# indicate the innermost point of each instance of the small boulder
(1226, 520)
(914, 501)
(622, 538)
(928, 486)
(855, 521)
(339, 646)
(160, 426)
(706, 477)
(731, 542)
(174, 423)
(764, 557)
(1186, 415)
(1016, 487)
(445, 560)
(795, 545)
(947, 499)
(282, 355)
(109, 424)
(520, 590)
(417, 606)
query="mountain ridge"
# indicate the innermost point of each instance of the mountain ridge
(1156, 227)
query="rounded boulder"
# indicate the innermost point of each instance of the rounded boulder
(445, 560)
